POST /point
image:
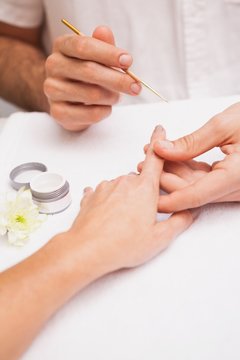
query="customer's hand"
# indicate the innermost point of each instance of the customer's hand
(116, 228)
(118, 219)
(81, 86)
(221, 182)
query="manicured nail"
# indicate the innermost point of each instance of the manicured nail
(125, 60)
(165, 144)
(136, 88)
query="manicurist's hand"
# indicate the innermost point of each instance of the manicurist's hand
(81, 86)
(199, 183)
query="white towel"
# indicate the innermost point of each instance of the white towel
(182, 305)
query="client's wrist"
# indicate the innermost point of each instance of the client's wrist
(79, 258)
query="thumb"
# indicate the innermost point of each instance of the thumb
(105, 34)
(192, 145)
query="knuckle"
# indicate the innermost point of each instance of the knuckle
(124, 179)
(96, 96)
(102, 185)
(64, 117)
(108, 111)
(57, 112)
(219, 123)
(197, 200)
(57, 42)
(164, 205)
(189, 143)
(235, 166)
(82, 45)
(119, 180)
(89, 66)
(123, 83)
(115, 98)
(49, 87)
(99, 113)
(51, 63)
(102, 96)
(89, 70)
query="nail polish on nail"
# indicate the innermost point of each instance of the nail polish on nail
(135, 88)
(125, 60)
(165, 144)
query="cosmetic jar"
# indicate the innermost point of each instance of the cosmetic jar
(50, 191)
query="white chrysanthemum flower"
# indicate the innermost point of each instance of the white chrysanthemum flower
(19, 217)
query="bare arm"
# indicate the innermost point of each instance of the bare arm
(33, 290)
(77, 84)
(101, 240)
(22, 67)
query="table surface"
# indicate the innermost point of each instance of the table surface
(182, 305)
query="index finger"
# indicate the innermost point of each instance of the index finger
(153, 164)
(92, 49)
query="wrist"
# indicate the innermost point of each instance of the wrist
(80, 258)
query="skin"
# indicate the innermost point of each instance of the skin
(198, 183)
(75, 84)
(115, 229)
(22, 71)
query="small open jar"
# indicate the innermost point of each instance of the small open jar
(50, 191)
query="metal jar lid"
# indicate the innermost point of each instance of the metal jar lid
(29, 170)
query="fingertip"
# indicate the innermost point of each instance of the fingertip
(87, 190)
(104, 33)
(135, 88)
(159, 128)
(158, 134)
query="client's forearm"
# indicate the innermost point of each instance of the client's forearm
(33, 290)
(22, 74)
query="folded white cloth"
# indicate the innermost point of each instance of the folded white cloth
(182, 305)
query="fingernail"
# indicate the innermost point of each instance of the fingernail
(165, 144)
(135, 88)
(125, 60)
(159, 127)
(86, 189)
